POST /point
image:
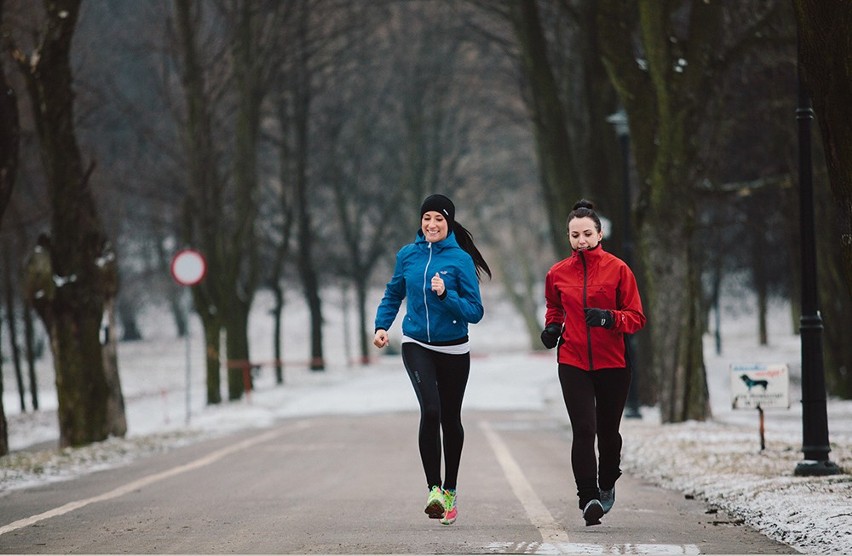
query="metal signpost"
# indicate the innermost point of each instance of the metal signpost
(188, 268)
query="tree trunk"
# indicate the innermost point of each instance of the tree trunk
(835, 301)
(236, 344)
(11, 317)
(664, 108)
(278, 329)
(4, 426)
(558, 176)
(130, 331)
(242, 248)
(115, 405)
(307, 266)
(73, 310)
(761, 288)
(364, 329)
(212, 339)
(202, 205)
(9, 146)
(825, 47)
(10, 135)
(29, 342)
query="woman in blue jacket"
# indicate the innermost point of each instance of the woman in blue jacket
(438, 274)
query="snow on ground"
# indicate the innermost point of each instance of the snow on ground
(719, 461)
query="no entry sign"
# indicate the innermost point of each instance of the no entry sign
(188, 267)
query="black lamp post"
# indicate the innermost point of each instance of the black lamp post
(622, 130)
(815, 444)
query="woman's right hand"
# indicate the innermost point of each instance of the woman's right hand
(380, 340)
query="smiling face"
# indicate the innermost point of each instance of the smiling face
(583, 233)
(434, 226)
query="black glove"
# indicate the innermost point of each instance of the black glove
(599, 317)
(550, 335)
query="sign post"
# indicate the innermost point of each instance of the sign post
(188, 268)
(760, 386)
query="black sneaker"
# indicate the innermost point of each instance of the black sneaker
(607, 499)
(593, 512)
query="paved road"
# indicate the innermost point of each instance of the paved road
(354, 485)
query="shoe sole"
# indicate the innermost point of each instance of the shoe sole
(448, 521)
(593, 515)
(435, 510)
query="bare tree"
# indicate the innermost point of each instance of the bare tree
(666, 59)
(223, 104)
(9, 145)
(71, 275)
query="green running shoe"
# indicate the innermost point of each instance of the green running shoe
(607, 499)
(435, 503)
(451, 512)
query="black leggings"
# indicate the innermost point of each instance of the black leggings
(439, 381)
(595, 401)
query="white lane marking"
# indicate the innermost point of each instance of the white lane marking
(550, 530)
(145, 481)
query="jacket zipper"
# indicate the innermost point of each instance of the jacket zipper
(585, 305)
(425, 297)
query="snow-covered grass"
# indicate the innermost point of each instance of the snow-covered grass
(719, 461)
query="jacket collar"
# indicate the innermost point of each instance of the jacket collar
(590, 255)
(447, 242)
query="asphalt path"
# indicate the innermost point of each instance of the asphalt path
(354, 485)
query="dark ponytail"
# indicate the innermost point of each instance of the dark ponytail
(465, 241)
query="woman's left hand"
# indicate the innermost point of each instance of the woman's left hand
(438, 284)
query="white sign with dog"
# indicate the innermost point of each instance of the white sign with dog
(758, 385)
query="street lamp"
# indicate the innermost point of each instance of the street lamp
(622, 130)
(815, 444)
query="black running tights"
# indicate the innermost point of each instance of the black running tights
(595, 401)
(439, 381)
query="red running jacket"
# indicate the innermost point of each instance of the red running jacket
(595, 279)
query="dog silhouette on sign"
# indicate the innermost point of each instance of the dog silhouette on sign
(751, 383)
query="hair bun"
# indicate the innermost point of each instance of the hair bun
(583, 203)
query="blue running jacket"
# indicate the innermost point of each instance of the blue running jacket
(429, 318)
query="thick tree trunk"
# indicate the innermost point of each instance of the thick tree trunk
(558, 174)
(9, 136)
(212, 338)
(236, 344)
(73, 311)
(9, 145)
(664, 108)
(825, 48)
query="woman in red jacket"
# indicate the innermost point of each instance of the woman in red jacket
(592, 302)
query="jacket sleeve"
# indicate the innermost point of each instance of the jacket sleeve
(629, 317)
(394, 294)
(466, 302)
(554, 312)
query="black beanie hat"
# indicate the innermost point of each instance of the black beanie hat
(442, 204)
